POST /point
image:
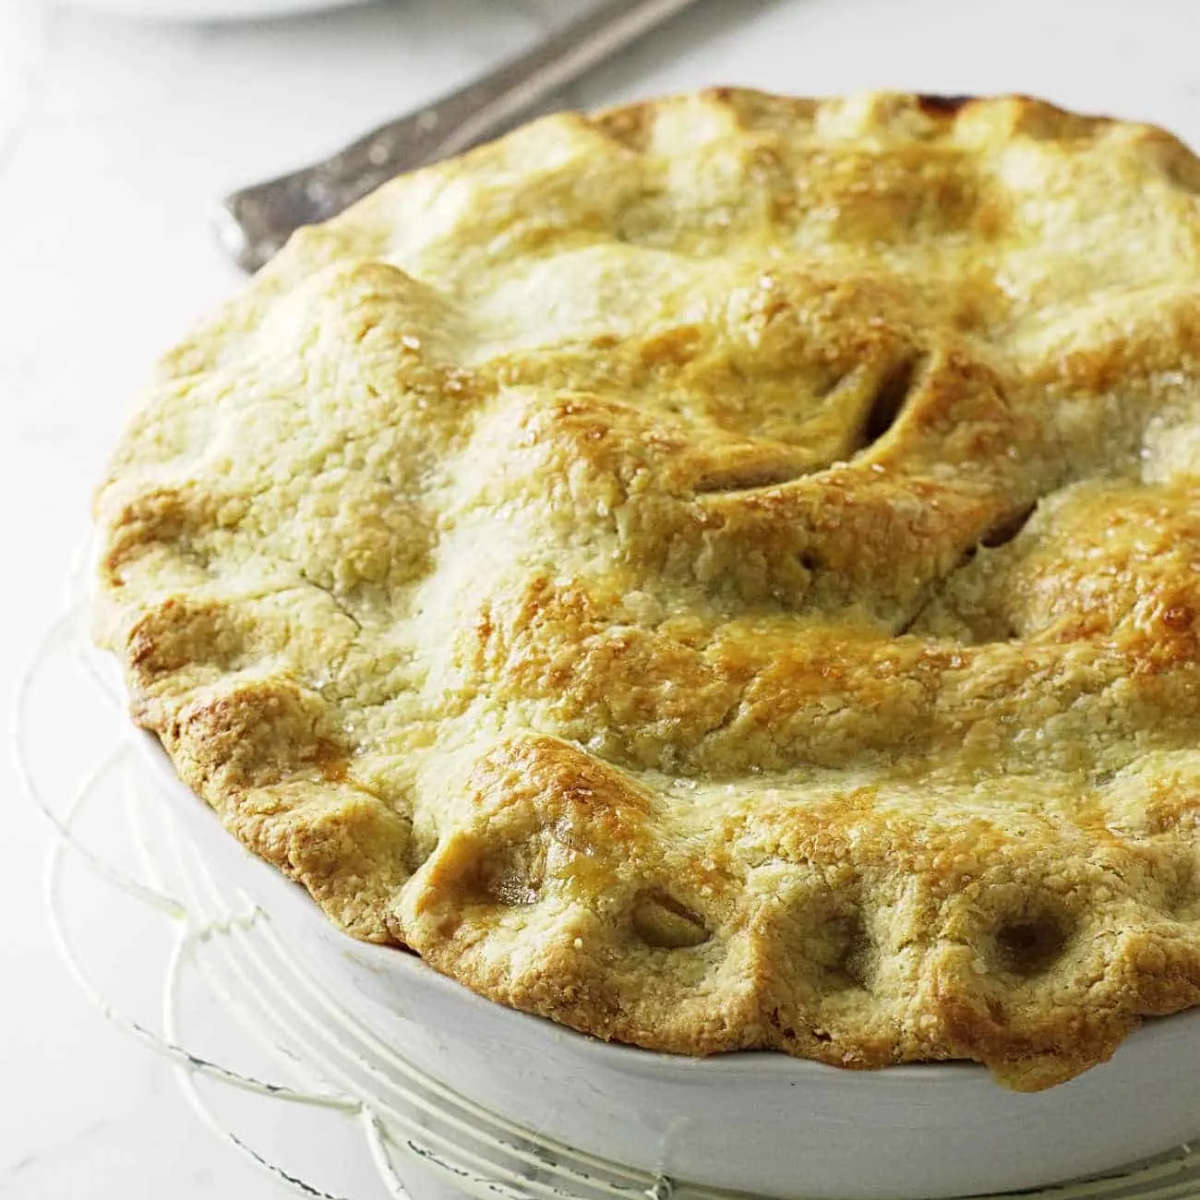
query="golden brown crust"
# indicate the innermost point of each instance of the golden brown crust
(721, 573)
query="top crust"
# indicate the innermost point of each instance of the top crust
(720, 573)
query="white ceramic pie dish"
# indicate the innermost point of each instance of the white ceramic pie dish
(759, 1123)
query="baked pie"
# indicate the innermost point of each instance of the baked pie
(719, 573)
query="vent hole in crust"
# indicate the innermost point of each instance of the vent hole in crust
(512, 876)
(1182, 901)
(890, 397)
(839, 942)
(745, 477)
(663, 922)
(855, 952)
(1030, 945)
(1004, 531)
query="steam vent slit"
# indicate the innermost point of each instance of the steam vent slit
(890, 398)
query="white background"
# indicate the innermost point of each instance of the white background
(116, 137)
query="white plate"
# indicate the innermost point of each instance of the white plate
(761, 1123)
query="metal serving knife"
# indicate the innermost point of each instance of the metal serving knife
(254, 223)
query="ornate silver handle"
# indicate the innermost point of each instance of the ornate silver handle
(254, 222)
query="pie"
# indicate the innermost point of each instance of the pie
(719, 573)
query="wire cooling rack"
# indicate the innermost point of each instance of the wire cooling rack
(225, 990)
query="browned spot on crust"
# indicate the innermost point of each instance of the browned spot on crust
(1178, 617)
(330, 760)
(943, 106)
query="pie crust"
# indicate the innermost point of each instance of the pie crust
(719, 573)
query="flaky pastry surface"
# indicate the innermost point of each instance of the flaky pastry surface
(721, 573)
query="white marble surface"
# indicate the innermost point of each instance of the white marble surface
(115, 138)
